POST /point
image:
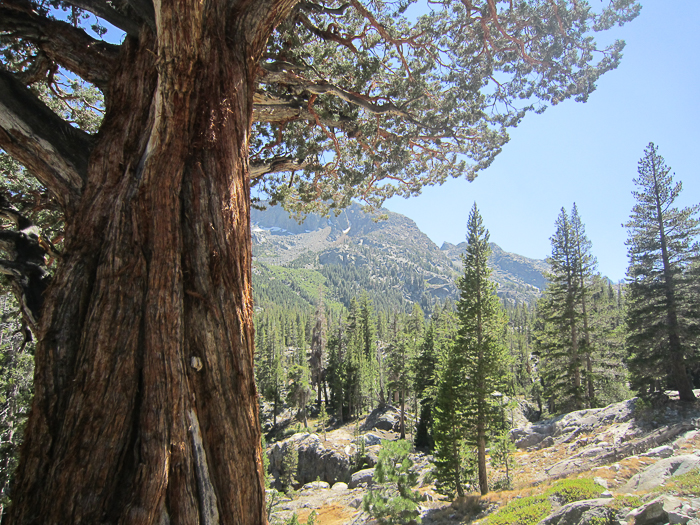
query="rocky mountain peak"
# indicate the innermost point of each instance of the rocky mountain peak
(390, 252)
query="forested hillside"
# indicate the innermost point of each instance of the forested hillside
(382, 254)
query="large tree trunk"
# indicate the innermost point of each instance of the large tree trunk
(145, 409)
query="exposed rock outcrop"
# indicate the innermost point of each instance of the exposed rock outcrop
(387, 418)
(656, 474)
(329, 460)
(584, 512)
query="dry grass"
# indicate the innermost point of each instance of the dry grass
(333, 514)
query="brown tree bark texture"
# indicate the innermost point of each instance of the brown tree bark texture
(145, 409)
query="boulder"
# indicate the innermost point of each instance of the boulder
(664, 451)
(318, 459)
(383, 418)
(372, 439)
(339, 487)
(656, 474)
(580, 513)
(361, 477)
(601, 481)
(664, 509)
(530, 435)
(317, 485)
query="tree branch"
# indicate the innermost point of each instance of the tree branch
(110, 14)
(62, 43)
(277, 164)
(283, 73)
(26, 269)
(270, 108)
(55, 152)
(318, 8)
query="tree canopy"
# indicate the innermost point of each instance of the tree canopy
(354, 99)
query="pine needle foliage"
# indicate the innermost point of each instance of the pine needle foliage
(394, 502)
(565, 333)
(662, 244)
(476, 367)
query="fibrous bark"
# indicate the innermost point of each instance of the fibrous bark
(155, 278)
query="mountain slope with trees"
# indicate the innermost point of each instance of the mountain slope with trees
(385, 255)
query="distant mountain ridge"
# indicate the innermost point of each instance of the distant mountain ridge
(390, 258)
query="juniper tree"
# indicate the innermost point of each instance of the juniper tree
(662, 244)
(313, 104)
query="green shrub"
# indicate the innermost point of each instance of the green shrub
(687, 484)
(394, 502)
(569, 490)
(532, 509)
(626, 501)
(524, 511)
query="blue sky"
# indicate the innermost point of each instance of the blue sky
(587, 153)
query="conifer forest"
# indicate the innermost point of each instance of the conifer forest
(157, 343)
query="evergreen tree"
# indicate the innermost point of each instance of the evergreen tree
(453, 467)
(608, 339)
(318, 345)
(661, 318)
(300, 390)
(561, 309)
(270, 366)
(336, 374)
(394, 501)
(519, 342)
(399, 361)
(586, 265)
(437, 338)
(478, 364)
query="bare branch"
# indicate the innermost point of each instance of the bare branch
(62, 43)
(317, 8)
(277, 164)
(55, 152)
(389, 108)
(270, 108)
(283, 73)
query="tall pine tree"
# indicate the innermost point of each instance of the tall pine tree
(478, 364)
(662, 243)
(564, 331)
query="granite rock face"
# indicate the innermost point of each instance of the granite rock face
(581, 513)
(656, 474)
(328, 461)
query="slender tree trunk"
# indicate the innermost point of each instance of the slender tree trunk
(576, 365)
(145, 409)
(403, 414)
(481, 456)
(457, 466)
